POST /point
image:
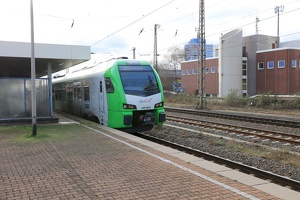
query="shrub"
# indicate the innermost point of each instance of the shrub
(233, 99)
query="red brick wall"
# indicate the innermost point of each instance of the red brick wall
(270, 79)
(190, 82)
(293, 83)
(280, 81)
(261, 74)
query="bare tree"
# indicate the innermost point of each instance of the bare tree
(169, 69)
(174, 57)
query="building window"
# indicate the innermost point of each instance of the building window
(294, 63)
(271, 65)
(281, 63)
(213, 70)
(206, 70)
(188, 72)
(244, 68)
(260, 66)
(194, 71)
(244, 84)
(182, 72)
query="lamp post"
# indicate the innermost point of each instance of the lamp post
(277, 10)
(33, 94)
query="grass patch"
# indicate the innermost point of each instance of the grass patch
(37, 136)
(51, 132)
(219, 142)
(235, 100)
(283, 156)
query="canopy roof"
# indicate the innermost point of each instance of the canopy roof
(15, 58)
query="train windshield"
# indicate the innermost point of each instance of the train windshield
(138, 80)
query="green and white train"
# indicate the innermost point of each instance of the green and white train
(123, 94)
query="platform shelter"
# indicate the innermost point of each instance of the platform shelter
(15, 76)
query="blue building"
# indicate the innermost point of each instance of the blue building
(191, 50)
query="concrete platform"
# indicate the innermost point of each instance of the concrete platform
(249, 180)
(90, 161)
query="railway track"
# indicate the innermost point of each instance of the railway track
(240, 117)
(282, 180)
(256, 133)
(247, 131)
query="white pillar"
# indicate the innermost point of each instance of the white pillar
(50, 87)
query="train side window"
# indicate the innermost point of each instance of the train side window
(100, 86)
(56, 94)
(59, 95)
(74, 92)
(64, 94)
(109, 86)
(86, 93)
(79, 93)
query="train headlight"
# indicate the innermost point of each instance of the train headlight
(160, 104)
(129, 106)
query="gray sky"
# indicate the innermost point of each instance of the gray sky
(113, 27)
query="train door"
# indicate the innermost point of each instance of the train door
(69, 99)
(94, 103)
(101, 103)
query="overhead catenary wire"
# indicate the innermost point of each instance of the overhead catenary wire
(181, 42)
(133, 22)
(227, 30)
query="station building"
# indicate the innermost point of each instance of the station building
(278, 71)
(15, 76)
(248, 66)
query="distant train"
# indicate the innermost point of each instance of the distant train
(123, 94)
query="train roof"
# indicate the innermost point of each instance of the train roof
(90, 70)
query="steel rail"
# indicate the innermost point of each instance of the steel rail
(267, 134)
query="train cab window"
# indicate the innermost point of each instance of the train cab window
(109, 86)
(138, 80)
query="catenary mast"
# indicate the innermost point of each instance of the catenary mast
(202, 55)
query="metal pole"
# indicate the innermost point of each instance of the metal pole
(50, 88)
(155, 47)
(202, 54)
(133, 50)
(278, 9)
(256, 25)
(33, 92)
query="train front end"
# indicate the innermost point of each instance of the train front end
(138, 101)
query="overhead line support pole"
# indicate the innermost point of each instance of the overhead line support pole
(155, 47)
(202, 54)
(277, 10)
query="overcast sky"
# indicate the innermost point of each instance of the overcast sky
(114, 27)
